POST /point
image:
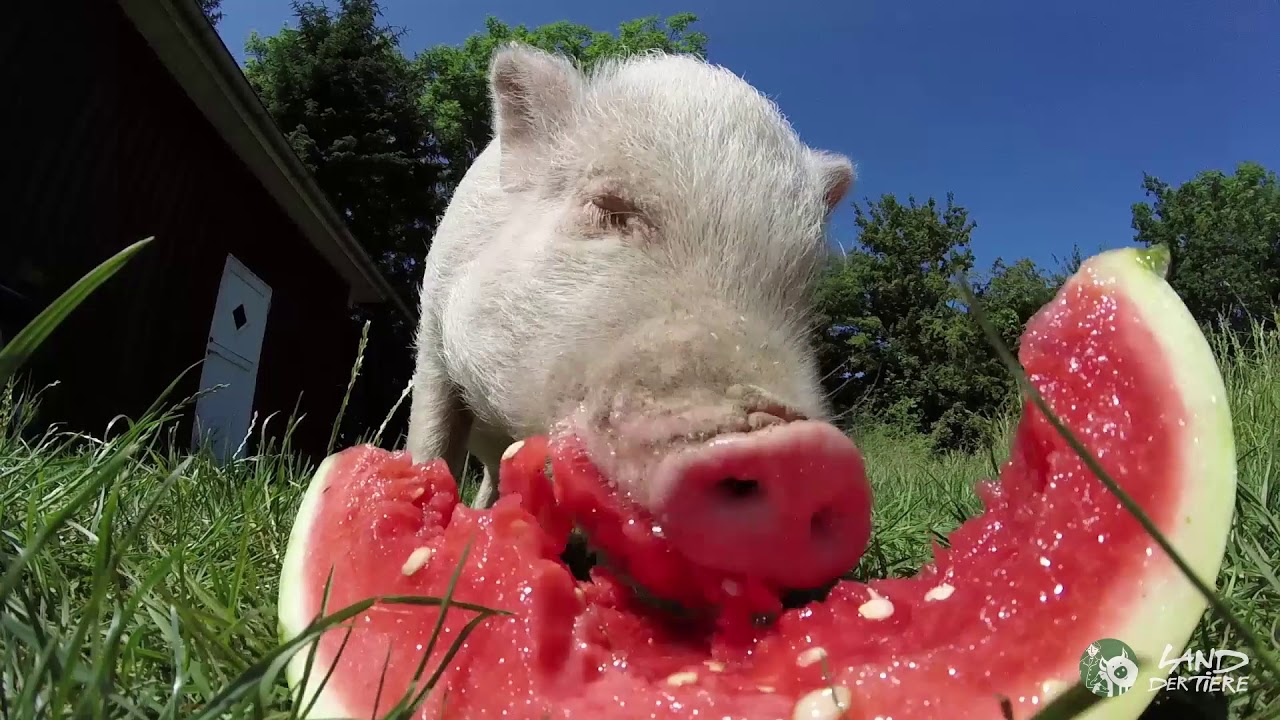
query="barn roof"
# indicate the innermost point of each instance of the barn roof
(197, 58)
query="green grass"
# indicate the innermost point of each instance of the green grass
(142, 583)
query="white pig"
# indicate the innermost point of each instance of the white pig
(633, 258)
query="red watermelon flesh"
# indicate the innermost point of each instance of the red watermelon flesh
(523, 475)
(1053, 564)
(624, 533)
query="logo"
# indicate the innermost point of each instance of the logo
(1212, 672)
(1108, 668)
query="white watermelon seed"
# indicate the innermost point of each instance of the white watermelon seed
(714, 665)
(416, 560)
(942, 592)
(877, 608)
(682, 678)
(823, 704)
(731, 588)
(810, 656)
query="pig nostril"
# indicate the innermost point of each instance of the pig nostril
(822, 523)
(738, 490)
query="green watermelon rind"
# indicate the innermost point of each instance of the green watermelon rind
(1170, 607)
(293, 598)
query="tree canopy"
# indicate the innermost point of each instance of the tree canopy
(342, 91)
(211, 10)
(1224, 233)
(895, 339)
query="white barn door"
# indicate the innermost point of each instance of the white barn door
(236, 333)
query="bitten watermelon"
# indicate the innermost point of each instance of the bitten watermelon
(1053, 564)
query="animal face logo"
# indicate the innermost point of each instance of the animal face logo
(1108, 668)
(1120, 670)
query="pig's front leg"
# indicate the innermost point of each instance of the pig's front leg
(439, 421)
(487, 495)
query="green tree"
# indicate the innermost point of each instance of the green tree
(340, 88)
(1014, 292)
(456, 91)
(898, 345)
(888, 304)
(1068, 266)
(1224, 233)
(211, 10)
(1010, 294)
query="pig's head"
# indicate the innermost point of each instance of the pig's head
(674, 225)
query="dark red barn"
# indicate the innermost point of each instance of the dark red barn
(126, 119)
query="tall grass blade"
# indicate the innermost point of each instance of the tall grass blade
(16, 352)
(104, 476)
(267, 668)
(351, 384)
(1073, 702)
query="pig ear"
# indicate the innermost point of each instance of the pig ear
(835, 176)
(533, 94)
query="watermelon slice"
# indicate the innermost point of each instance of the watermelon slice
(1052, 565)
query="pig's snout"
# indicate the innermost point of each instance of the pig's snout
(789, 503)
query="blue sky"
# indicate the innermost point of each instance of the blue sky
(1040, 117)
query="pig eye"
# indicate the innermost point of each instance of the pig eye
(615, 213)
